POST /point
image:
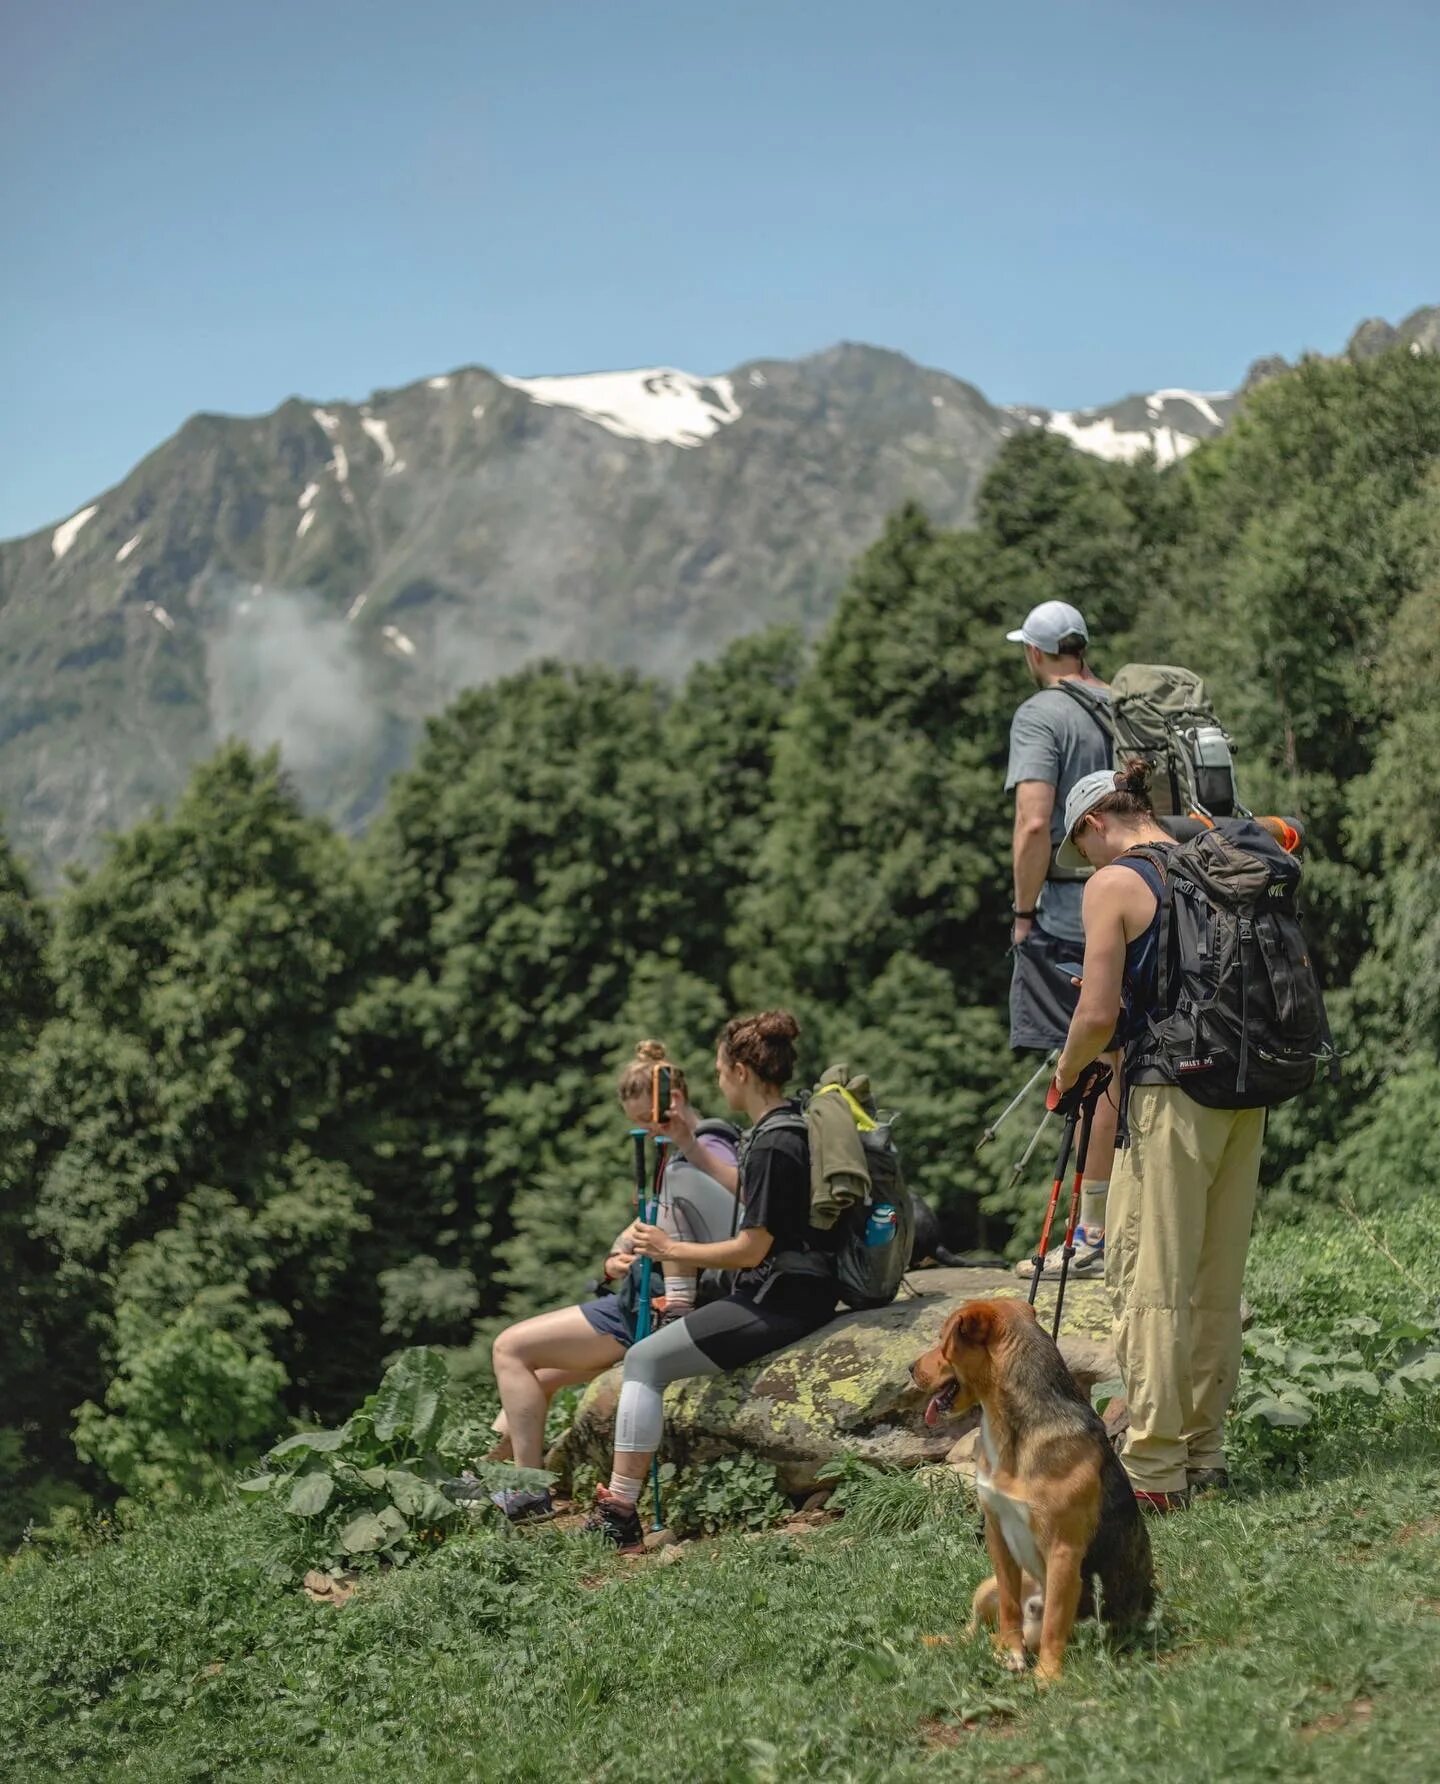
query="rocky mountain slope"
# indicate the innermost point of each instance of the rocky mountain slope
(327, 574)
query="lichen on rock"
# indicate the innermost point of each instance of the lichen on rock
(845, 1390)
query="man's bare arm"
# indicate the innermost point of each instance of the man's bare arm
(1030, 848)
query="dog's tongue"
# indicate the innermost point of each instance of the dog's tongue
(937, 1405)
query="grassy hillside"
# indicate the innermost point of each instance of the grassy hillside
(1299, 1632)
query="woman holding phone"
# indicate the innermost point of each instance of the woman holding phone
(537, 1356)
(784, 1285)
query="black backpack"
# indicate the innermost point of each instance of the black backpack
(866, 1275)
(1241, 1021)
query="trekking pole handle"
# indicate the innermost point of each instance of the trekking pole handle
(1088, 1088)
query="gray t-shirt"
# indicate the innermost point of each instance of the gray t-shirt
(1054, 739)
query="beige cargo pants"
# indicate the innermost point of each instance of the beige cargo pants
(1182, 1196)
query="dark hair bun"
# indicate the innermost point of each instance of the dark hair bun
(652, 1052)
(776, 1025)
(1134, 776)
(764, 1044)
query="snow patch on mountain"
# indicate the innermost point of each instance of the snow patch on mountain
(64, 535)
(1201, 401)
(307, 520)
(437, 383)
(379, 432)
(330, 423)
(660, 405)
(308, 495)
(126, 549)
(395, 637)
(1101, 438)
(159, 615)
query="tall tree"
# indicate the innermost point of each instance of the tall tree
(191, 1173)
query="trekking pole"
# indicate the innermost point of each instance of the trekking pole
(1025, 1156)
(1019, 1097)
(1092, 1088)
(649, 1212)
(1067, 1140)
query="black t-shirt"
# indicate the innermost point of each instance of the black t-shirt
(775, 1194)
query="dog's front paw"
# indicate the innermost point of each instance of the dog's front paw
(1012, 1659)
(1046, 1675)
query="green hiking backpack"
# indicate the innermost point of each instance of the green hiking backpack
(1164, 715)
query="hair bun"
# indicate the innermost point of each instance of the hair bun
(776, 1025)
(650, 1052)
(1134, 776)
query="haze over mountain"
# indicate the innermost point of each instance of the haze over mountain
(326, 575)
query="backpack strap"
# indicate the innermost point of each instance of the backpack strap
(1100, 710)
(1132, 1058)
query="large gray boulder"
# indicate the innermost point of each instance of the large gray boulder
(845, 1390)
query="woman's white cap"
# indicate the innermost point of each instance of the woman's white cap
(1084, 796)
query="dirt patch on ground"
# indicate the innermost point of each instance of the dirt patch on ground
(1408, 1533)
(1352, 1715)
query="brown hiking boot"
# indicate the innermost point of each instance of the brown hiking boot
(617, 1521)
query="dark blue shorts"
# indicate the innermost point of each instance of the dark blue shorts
(608, 1317)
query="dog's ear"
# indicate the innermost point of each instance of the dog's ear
(973, 1323)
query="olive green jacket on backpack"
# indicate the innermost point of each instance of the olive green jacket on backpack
(839, 1175)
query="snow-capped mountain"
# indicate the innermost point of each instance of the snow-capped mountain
(330, 573)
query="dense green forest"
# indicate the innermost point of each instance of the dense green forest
(274, 1104)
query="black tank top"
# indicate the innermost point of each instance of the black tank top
(1139, 986)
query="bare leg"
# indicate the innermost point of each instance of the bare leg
(1101, 1156)
(561, 1343)
(551, 1380)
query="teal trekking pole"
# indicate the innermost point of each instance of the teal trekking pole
(647, 1208)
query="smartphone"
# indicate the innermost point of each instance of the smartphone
(659, 1093)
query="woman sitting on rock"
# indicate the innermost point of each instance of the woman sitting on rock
(784, 1285)
(553, 1350)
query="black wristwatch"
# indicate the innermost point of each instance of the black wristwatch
(1028, 915)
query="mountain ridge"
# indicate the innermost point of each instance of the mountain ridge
(326, 574)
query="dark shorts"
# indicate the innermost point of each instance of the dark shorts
(1042, 998)
(739, 1330)
(609, 1318)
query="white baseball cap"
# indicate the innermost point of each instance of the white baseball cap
(1047, 624)
(1084, 796)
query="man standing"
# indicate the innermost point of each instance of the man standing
(1055, 742)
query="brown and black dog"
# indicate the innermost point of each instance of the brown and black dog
(1061, 1521)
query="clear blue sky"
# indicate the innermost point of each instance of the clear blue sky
(210, 206)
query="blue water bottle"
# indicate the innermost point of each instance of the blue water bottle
(880, 1228)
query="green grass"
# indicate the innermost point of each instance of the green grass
(1299, 1638)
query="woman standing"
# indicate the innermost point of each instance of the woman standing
(784, 1284)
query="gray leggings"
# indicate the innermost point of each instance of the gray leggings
(695, 1207)
(668, 1355)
